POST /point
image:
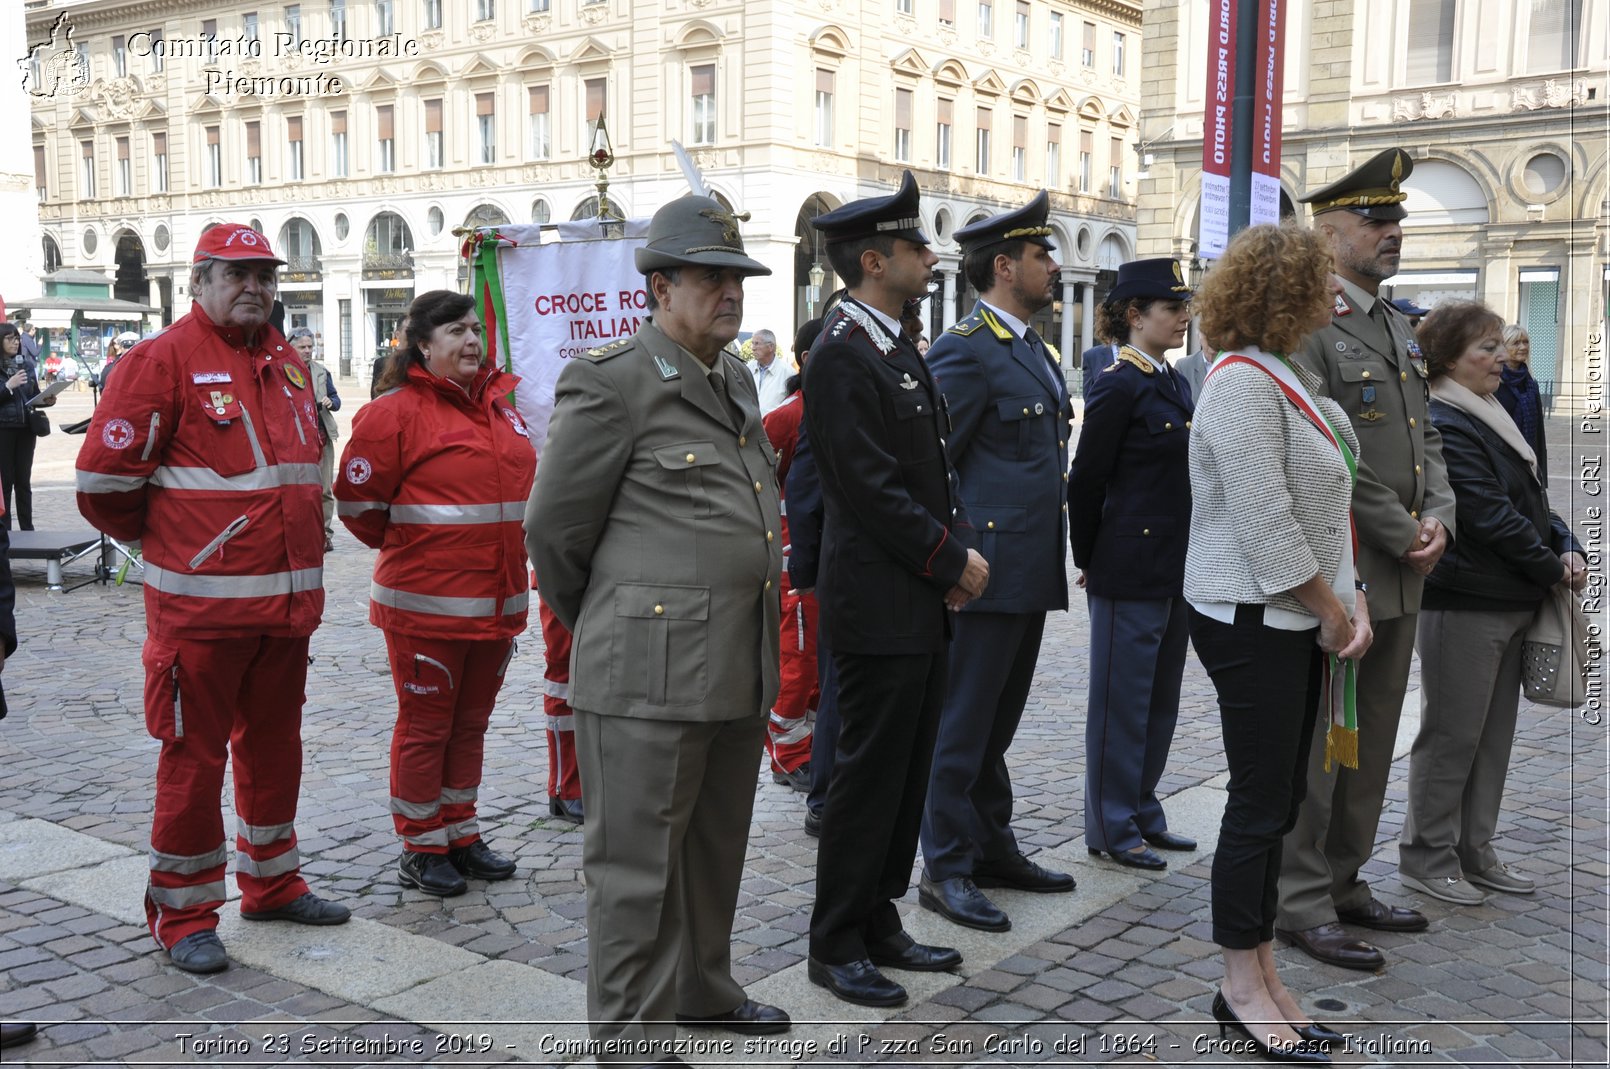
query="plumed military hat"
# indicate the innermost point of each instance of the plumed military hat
(1373, 189)
(1026, 223)
(1159, 279)
(895, 216)
(695, 232)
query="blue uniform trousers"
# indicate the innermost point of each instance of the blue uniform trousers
(1137, 656)
(968, 816)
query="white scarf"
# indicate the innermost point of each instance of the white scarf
(1486, 410)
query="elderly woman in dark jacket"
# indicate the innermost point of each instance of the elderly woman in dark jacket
(1478, 603)
(1518, 392)
(21, 382)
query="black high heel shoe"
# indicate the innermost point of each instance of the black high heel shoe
(1318, 1033)
(1297, 1054)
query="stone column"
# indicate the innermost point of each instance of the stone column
(1087, 332)
(949, 295)
(1065, 341)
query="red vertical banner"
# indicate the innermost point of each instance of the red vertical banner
(1267, 114)
(1216, 126)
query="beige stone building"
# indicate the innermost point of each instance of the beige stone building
(359, 133)
(1502, 105)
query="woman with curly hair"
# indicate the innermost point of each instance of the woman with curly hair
(1479, 600)
(1129, 507)
(1273, 591)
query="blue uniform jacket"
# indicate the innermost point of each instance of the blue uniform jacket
(1009, 442)
(1129, 491)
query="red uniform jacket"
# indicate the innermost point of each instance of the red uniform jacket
(436, 478)
(206, 450)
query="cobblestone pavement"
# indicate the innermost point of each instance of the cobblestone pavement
(1120, 972)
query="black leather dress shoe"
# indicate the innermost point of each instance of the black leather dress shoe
(200, 952)
(749, 1018)
(1315, 1032)
(900, 951)
(813, 823)
(1021, 874)
(568, 809)
(1332, 945)
(799, 779)
(1134, 859)
(431, 873)
(478, 862)
(959, 900)
(1384, 918)
(309, 908)
(1167, 840)
(859, 982)
(16, 1033)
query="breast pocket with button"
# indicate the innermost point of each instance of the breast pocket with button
(228, 447)
(688, 468)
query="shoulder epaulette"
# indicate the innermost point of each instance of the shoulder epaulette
(614, 348)
(966, 327)
(1126, 355)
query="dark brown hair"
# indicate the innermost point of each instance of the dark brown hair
(429, 311)
(1451, 328)
(1112, 317)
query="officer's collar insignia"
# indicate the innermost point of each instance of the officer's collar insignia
(908, 384)
(875, 330)
(294, 373)
(667, 369)
(1341, 307)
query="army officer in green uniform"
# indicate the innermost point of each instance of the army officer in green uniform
(1403, 510)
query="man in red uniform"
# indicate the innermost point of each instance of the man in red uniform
(206, 450)
(788, 733)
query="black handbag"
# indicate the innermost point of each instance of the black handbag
(39, 422)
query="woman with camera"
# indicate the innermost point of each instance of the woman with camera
(17, 432)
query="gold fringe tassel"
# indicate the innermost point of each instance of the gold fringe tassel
(1341, 744)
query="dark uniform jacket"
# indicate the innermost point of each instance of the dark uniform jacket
(896, 536)
(1009, 442)
(1509, 547)
(1129, 491)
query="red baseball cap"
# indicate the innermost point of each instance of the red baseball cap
(234, 241)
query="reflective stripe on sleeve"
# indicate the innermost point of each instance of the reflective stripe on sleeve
(189, 864)
(556, 690)
(505, 512)
(233, 586)
(99, 482)
(358, 508)
(263, 478)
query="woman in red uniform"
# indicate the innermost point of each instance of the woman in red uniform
(435, 476)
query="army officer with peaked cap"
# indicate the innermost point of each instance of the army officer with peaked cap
(1403, 510)
(654, 532)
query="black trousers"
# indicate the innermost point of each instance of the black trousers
(889, 718)
(1269, 683)
(17, 473)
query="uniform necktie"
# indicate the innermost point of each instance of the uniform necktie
(718, 383)
(1037, 347)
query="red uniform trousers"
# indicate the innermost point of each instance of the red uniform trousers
(445, 692)
(564, 781)
(788, 735)
(208, 701)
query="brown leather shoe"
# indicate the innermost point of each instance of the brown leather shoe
(1384, 918)
(1333, 946)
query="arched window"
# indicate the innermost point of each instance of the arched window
(1441, 193)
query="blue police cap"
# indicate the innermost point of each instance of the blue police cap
(1026, 223)
(894, 216)
(1159, 279)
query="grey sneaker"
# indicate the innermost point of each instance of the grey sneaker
(1499, 878)
(1448, 888)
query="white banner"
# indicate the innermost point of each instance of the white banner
(562, 299)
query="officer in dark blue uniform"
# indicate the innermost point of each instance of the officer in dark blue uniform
(1010, 416)
(1129, 514)
(896, 553)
